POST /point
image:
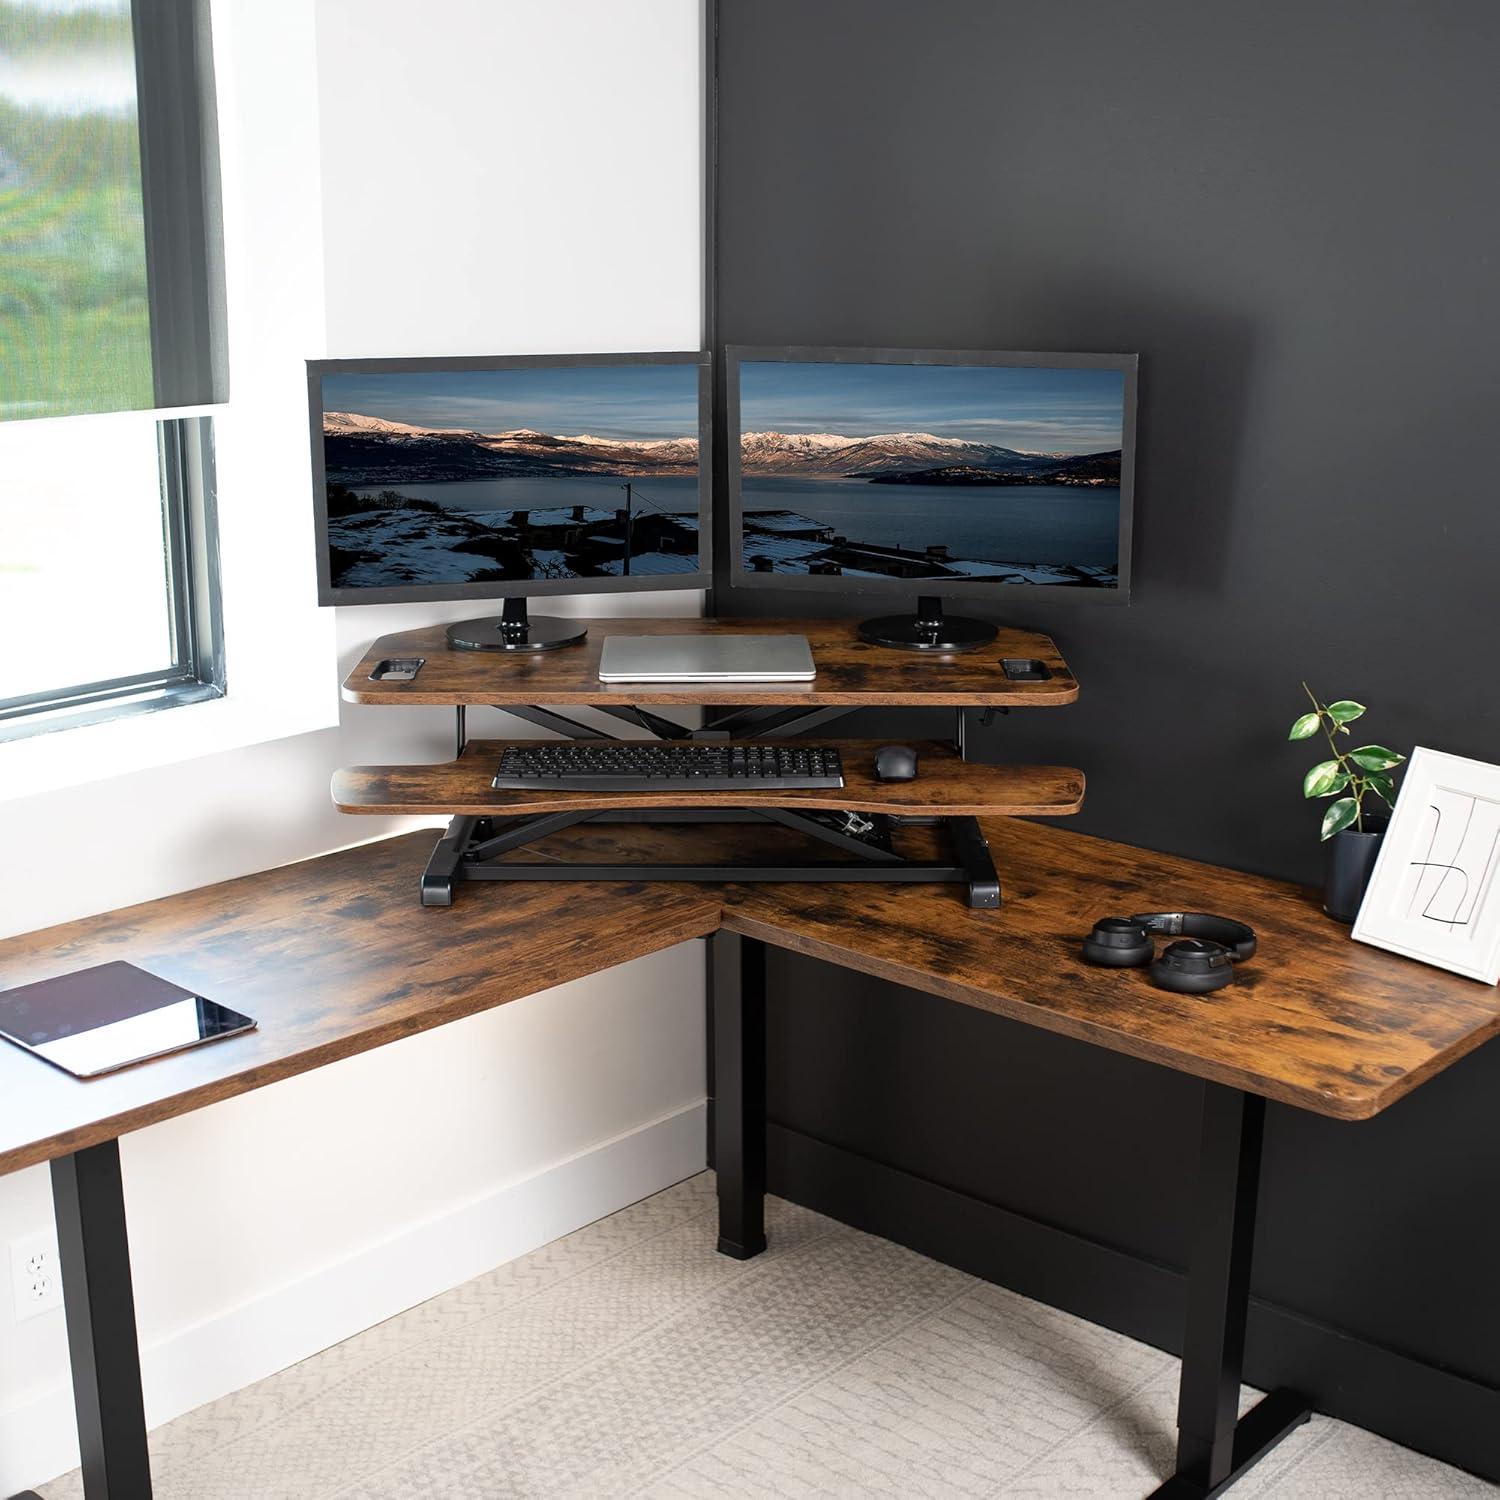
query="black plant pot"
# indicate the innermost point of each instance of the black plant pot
(1351, 858)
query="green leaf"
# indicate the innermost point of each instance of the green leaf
(1383, 786)
(1339, 816)
(1325, 777)
(1345, 711)
(1304, 728)
(1375, 758)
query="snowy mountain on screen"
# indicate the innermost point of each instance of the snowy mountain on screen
(831, 454)
(353, 423)
(361, 450)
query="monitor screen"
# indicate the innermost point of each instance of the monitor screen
(453, 479)
(870, 469)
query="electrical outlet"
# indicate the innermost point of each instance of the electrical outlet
(35, 1277)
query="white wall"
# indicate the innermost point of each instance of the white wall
(497, 176)
(510, 176)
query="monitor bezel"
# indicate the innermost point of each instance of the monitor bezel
(418, 593)
(973, 592)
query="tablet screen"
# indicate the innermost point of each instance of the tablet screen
(109, 1017)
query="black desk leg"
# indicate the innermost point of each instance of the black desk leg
(1213, 1448)
(737, 984)
(89, 1203)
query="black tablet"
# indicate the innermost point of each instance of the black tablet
(102, 1019)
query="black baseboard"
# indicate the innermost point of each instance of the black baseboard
(1418, 1405)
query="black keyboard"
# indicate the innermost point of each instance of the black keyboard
(672, 767)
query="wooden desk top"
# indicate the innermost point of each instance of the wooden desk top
(335, 956)
(1315, 1020)
(946, 786)
(850, 671)
(332, 956)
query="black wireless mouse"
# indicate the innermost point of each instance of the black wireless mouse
(895, 763)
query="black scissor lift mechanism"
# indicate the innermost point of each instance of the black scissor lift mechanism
(474, 848)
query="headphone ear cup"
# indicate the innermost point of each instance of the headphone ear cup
(1194, 966)
(1118, 943)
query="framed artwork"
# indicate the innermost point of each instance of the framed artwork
(1434, 894)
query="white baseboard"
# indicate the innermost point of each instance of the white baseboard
(246, 1343)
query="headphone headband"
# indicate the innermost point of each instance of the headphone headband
(1235, 936)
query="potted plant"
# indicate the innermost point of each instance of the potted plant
(1351, 833)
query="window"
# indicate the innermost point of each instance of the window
(108, 580)
(110, 318)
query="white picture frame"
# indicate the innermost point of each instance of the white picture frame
(1434, 894)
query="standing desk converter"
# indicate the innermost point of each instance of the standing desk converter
(900, 832)
(334, 957)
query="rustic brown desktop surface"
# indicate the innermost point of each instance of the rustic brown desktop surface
(945, 786)
(1315, 1020)
(850, 671)
(334, 956)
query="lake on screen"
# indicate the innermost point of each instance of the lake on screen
(1040, 523)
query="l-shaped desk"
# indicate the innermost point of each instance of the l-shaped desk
(334, 956)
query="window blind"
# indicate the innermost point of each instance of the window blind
(111, 283)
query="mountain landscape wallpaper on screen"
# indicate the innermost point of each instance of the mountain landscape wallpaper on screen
(1008, 474)
(445, 477)
(559, 472)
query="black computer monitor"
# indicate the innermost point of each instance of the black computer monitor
(925, 472)
(441, 479)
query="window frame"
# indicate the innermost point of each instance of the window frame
(190, 547)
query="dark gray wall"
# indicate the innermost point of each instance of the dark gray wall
(1289, 211)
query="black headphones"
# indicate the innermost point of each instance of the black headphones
(1204, 961)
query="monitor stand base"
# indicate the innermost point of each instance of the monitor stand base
(515, 630)
(929, 629)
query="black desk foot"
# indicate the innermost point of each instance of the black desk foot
(737, 990)
(973, 851)
(1274, 1417)
(740, 1252)
(446, 864)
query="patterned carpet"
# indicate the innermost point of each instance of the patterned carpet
(630, 1359)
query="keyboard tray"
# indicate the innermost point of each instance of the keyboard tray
(945, 786)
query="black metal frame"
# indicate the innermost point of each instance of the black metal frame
(471, 847)
(1214, 1449)
(737, 1001)
(1214, 1446)
(88, 1200)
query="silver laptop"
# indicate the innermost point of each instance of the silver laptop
(706, 658)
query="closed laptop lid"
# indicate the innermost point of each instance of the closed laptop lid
(706, 658)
